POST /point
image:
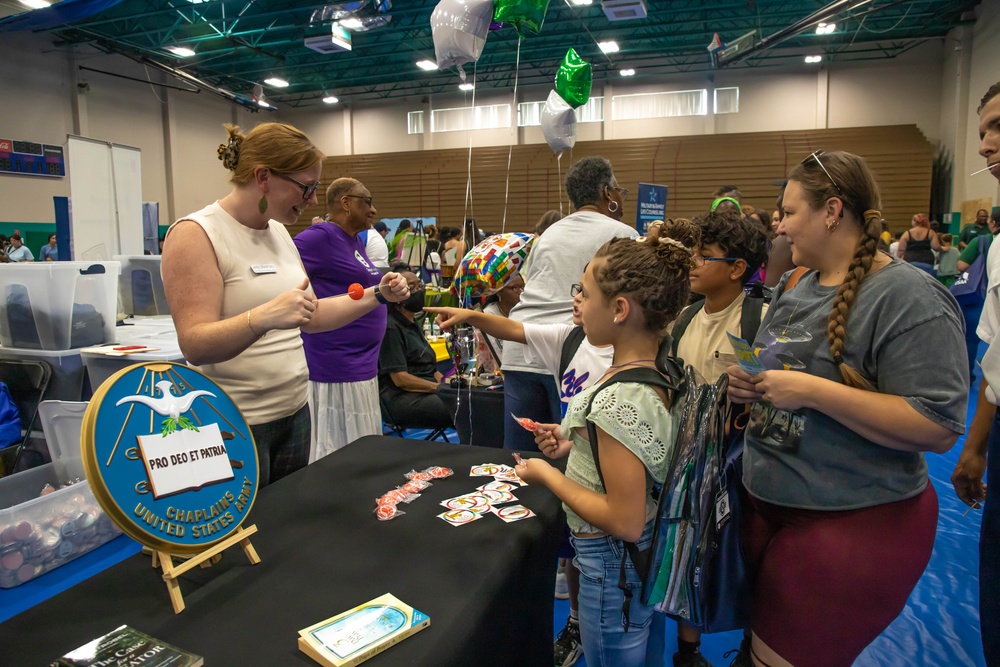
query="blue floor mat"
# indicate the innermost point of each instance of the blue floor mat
(940, 624)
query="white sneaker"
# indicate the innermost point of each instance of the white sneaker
(562, 586)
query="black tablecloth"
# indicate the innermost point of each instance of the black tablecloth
(487, 586)
(483, 424)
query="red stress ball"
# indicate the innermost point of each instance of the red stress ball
(356, 292)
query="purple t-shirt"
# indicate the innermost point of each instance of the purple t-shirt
(334, 260)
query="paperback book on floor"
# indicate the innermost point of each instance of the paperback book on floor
(360, 633)
(125, 647)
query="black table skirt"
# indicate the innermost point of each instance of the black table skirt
(487, 586)
(483, 424)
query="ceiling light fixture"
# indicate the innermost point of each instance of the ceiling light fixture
(825, 28)
(427, 65)
(627, 72)
(275, 82)
(814, 59)
(35, 4)
(181, 51)
(579, 3)
(465, 86)
(610, 46)
(330, 99)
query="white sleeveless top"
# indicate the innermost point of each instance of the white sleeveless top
(270, 379)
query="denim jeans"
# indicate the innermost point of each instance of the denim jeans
(602, 623)
(531, 395)
(989, 553)
(282, 445)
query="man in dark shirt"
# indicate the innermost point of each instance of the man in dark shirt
(407, 375)
(971, 231)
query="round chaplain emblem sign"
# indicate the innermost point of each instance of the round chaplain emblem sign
(169, 457)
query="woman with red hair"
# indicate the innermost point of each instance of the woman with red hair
(918, 243)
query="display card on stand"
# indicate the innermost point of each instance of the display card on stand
(172, 461)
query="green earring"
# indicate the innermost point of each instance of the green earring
(262, 204)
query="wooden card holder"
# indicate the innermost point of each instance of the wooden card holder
(205, 559)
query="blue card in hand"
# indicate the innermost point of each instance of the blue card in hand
(745, 355)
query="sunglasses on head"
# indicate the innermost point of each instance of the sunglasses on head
(815, 155)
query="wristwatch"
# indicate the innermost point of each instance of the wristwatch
(378, 297)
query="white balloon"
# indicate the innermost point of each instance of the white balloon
(558, 123)
(459, 28)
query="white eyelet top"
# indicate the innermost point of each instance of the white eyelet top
(631, 413)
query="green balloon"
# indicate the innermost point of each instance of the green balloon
(573, 79)
(525, 15)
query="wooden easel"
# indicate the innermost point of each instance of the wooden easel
(206, 558)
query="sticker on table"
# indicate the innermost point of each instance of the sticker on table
(497, 486)
(477, 502)
(485, 470)
(460, 517)
(513, 513)
(509, 476)
(498, 497)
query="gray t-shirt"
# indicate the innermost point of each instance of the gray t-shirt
(557, 260)
(905, 334)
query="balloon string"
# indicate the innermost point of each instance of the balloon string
(560, 186)
(468, 177)
(510, 144)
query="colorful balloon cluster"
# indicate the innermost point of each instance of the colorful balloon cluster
(491, 263)
(460, 27)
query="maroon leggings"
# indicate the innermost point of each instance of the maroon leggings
(827, 583)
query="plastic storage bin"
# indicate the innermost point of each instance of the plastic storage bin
(101, 366)
(38, 533)
(140, 287)
(68, 371)
(58, 305)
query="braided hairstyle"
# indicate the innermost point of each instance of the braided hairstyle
(277, 146)
(654, 273)
(852, 183)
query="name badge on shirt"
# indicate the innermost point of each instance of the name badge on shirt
(261, 269)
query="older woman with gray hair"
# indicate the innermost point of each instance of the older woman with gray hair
(557, 261)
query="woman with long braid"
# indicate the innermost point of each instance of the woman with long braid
(841, 518)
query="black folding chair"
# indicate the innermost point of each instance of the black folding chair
(27, 381)
(400, 429)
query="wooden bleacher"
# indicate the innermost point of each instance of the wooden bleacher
(433, 183)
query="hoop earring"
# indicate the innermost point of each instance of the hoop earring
(614, 321)
(615, 209)
(830, 228)
(262, 204)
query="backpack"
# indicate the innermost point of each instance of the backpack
(10, 418)
(970, 287)
(569, 348)
(694, 568)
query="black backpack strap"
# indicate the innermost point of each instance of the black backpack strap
(682, 322)
(750, 318)
(652, 378)
(569, 348)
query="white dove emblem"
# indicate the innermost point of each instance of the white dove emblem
(168, 405)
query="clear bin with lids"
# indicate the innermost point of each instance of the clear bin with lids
(38, 533)
(140, 287)
(58, 305)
